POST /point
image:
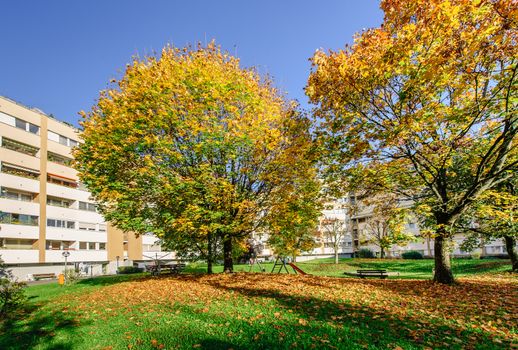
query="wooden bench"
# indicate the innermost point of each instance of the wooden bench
(40, 276)
(369, 273)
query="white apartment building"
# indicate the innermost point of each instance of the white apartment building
(44, 209)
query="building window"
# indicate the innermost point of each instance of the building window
(18, 219)
(87, 206)
(82, 245)
(102, 227)
(61, 181)
(91, 246)
(59, 159)
(59, 202)
(16, 195)
(19, 171)
(14, 243)
(87, 226)
(19, 147)
(102, 246)
(61, 223)
(61, 139)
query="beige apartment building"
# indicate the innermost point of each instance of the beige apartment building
(44, 209)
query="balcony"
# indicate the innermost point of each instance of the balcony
(76, 255)
(19, 256)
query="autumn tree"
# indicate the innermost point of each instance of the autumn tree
(193, 148)
(334, 231)
(428, 103)
(385, 224)
(494, 216)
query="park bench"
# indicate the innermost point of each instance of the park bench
(369, 273)
(40, 276)
(169, 268)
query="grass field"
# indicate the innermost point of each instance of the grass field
(272, 311)
(399, 269)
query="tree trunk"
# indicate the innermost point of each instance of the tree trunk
(209, 254)
(382, 253)
(336, 255)
(443, 273)
(228, 264)
(510, 246)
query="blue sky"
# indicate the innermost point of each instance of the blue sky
(58, 55)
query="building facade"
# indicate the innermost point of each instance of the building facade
(44, 209)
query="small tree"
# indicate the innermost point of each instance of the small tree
(334, 231)
(385, 227)
(12, 293)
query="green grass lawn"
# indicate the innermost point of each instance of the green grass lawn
(271, 311)
(398, 268)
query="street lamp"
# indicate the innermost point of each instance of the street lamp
(66, 255)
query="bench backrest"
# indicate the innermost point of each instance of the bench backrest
(371, 271)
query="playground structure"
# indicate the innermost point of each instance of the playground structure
(281, 263)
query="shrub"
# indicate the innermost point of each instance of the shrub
(412, 254)
(129, 269)
(12, 293)
(71, 276)
(366, 253)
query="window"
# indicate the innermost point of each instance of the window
(87, 206)
(61, 181)
(102, 227)
(61, 223)
(59, 202)
(19, 171)
(86, 226)
(18, 219)
(22, 124)
(19, 147)
(34, 128)
(102, 246)
(61, 139)
(16, 195)
(14, 243)
(59, 159)
(53, 245)
(91, 246)
(411, 225)
(82, 245)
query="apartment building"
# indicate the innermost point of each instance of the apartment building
(355, 223)
(44, 209)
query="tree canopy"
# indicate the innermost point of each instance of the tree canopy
(193, 148)
(427, 103)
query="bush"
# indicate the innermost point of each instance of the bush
(366, 253)
(12, 293)
(129, 269)
(412, 254)
(71, 276)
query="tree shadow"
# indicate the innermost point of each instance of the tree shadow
(367, 327)
(109, 280)
(32, 327)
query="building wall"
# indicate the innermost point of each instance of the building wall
(32, 142)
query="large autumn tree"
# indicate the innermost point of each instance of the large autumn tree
(193, 148)
(427, 102)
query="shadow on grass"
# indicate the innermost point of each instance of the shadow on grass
(32, 327)
(361, 326)
(113, 279)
